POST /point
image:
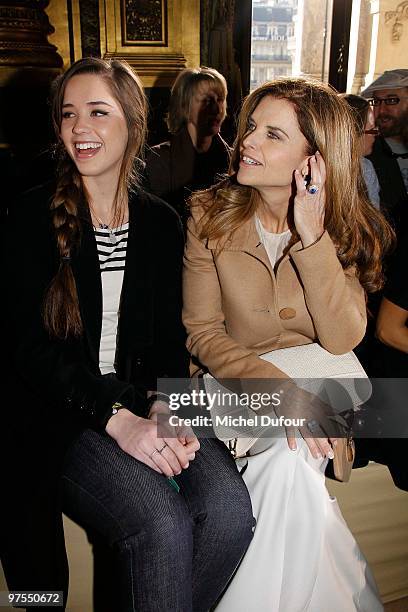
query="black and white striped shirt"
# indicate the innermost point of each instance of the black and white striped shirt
(111, 245)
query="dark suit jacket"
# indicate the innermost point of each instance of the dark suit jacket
(393, 195)
(174, 169)
(54, 388)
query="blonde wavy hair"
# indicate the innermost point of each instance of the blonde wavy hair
(361, 234)
(183, 90)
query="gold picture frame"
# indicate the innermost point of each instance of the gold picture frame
(144, 22)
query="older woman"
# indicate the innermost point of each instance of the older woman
(195, 153)
(279, 255)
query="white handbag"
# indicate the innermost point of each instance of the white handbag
(312, 368)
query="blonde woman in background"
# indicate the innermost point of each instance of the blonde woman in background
(195, 154)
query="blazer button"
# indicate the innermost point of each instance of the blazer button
(287, 313)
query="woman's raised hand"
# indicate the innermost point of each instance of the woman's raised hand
(309, 206)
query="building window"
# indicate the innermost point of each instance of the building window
(289, 38)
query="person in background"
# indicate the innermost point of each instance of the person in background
(389, 97)
(94, 319)
(389, 349)
(365, 124)
(392, 320)
(377, 359)
(392, 331)
(195, 155)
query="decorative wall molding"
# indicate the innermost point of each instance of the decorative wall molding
(24, 29)
(148, 63)
(157, 37)
(396, 17)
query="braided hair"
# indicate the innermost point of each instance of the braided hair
(61, 313)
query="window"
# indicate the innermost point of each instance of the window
(295, 39)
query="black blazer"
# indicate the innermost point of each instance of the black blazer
(54, 388)
(151, 337)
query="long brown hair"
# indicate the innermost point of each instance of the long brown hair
(360, 233)
(61, 309)
(360, 108)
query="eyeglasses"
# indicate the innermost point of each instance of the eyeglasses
(373, 131)
(391, 101)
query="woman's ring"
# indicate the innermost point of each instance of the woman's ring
(156, 450)
(313, 189)
(162, 449)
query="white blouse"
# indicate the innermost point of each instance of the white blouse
(274, 244)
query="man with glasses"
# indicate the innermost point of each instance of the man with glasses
(388, 95)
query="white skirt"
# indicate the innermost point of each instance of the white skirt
(303, 557)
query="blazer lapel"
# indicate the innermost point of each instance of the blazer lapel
(85, 265)
(136, 306)
(245, 239)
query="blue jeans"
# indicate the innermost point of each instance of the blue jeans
(172, 552)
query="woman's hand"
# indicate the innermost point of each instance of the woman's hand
(319, 447)
(183, 433)
(139, 438)
(309, 208)
(320, 430)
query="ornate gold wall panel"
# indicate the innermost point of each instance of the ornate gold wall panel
(76, 30)
(157, 37)
(24, 28)
(57, 12)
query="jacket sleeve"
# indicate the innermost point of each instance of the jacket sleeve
(204, 320)
(55, 373)
(168, 356)
(334, 297)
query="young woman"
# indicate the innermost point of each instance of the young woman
(95, 319)
(275, 259)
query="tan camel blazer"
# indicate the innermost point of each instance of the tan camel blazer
(237, 307)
